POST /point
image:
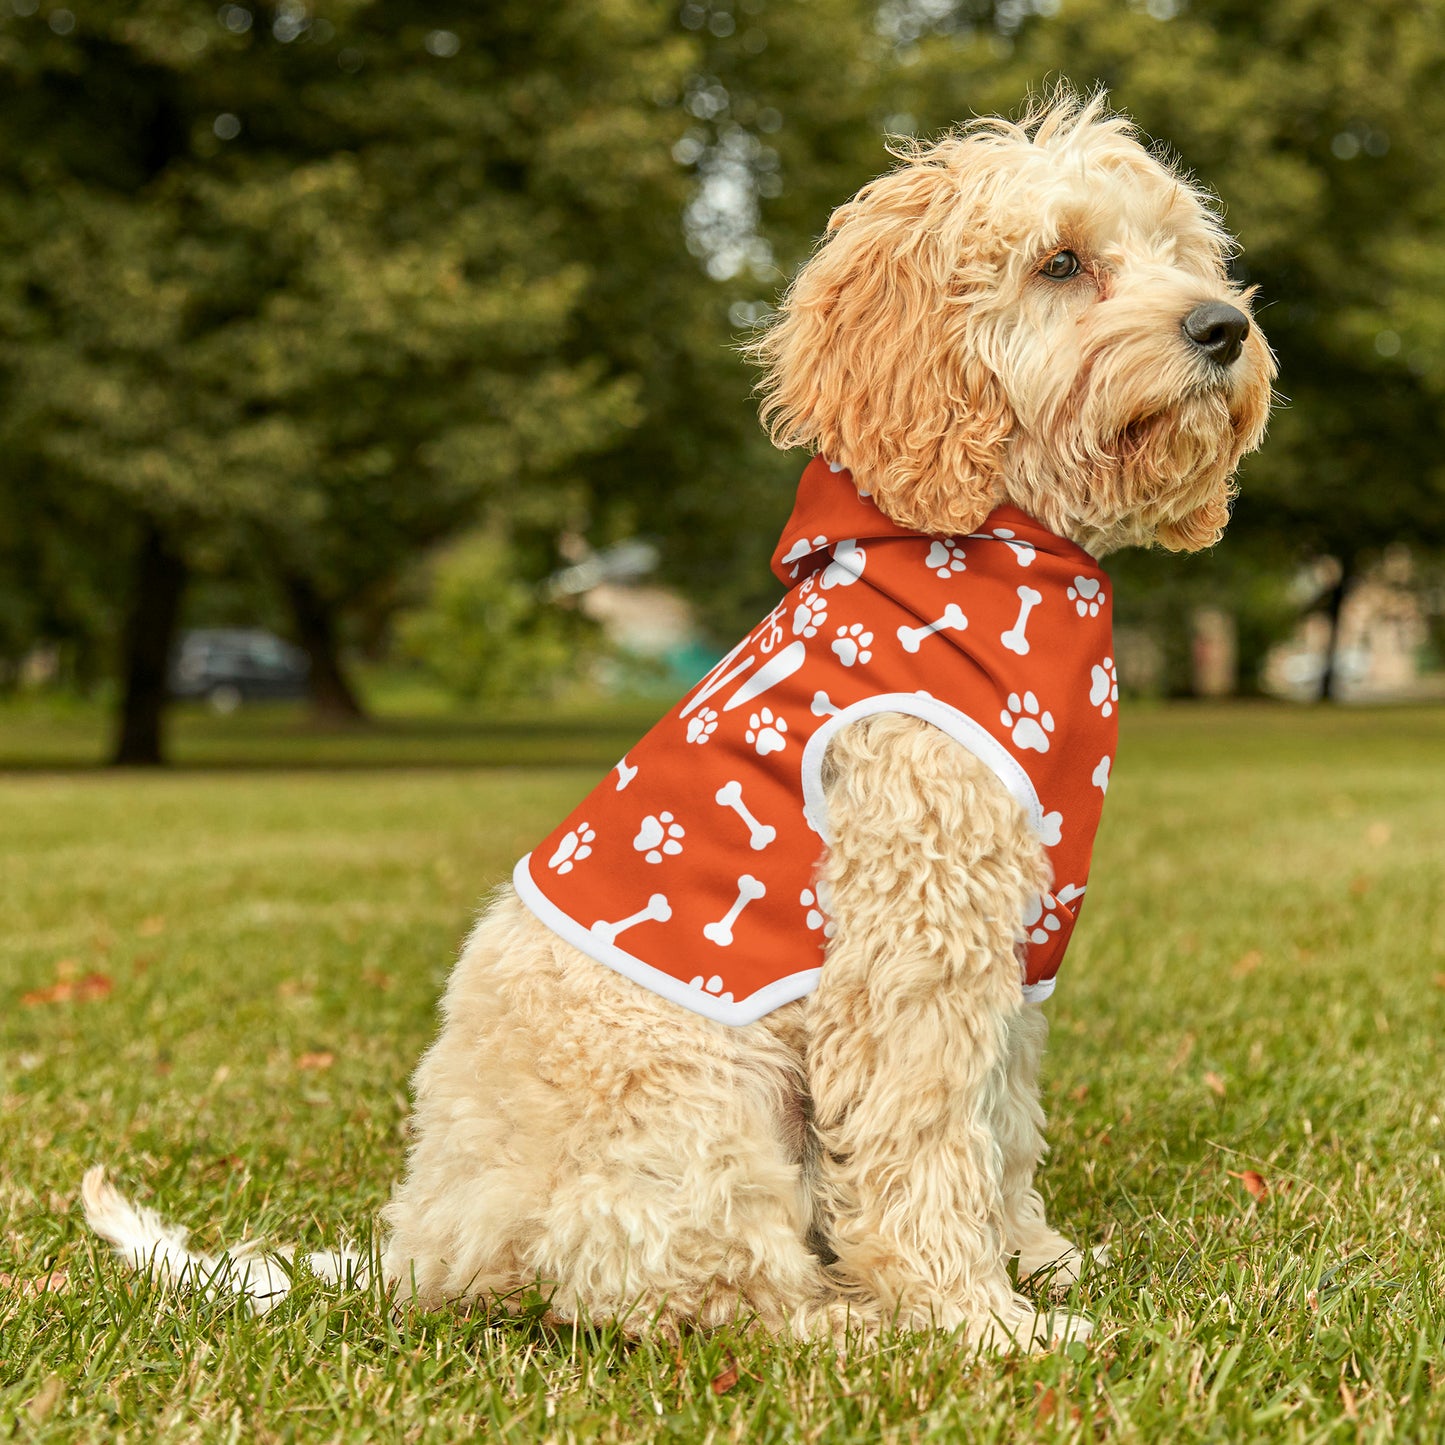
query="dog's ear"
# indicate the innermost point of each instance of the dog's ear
(873, 362)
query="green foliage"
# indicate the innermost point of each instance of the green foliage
(484, 634)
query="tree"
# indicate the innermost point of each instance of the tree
(303, 281)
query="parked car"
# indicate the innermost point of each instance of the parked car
(230, 665)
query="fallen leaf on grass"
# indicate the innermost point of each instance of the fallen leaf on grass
(1254, 1182)
(724, 1382)
(1045, 1408)
(1181, 1054)
(377, 979)
(1247, 965)
(319, 1060)
(46, 1398)
(56, 1282)
(1214, 1083)
(151, 927)
(66, 990)
(1440, 980)
(1377, 834)
(1080, 1094)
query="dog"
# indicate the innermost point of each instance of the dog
(834, 1130)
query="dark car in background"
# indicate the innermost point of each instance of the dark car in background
(227, 666)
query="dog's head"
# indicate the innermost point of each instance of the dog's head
(1036, 313)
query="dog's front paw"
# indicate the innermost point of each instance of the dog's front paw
(1056, 1266)
(1023, 1326)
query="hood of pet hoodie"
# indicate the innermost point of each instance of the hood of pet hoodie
(692, 867)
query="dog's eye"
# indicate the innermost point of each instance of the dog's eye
(1061, 266)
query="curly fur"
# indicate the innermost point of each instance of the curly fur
(865, 1156)
(921, 348)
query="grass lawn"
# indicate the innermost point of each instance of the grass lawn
(216, 980)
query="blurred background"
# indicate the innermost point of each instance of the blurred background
(363, 361)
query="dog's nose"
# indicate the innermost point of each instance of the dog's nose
(1217, 330)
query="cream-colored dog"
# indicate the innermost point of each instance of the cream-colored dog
(1034, 313)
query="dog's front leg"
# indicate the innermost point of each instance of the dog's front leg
(1019, 1128)
(930, 868)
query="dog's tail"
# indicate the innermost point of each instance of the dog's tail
(147, 1243)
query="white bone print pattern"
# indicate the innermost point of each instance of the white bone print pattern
(770, 674)
(721, 932)
(1104, 686)
(852, 645)
(765, 732)
(823, 705)
(1023, 551)
(1016, 638)
(952, 620)
(730, 795)
(625, 774)
(659, 834)
(946, 557)
(576, 845)
(1087, 595)
(1051, 829)
(658, 909)
(1029, 726)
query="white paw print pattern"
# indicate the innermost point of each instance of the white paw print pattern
(803, 547)
(1041, 919)
(1029, 727)
(574, 847)
(946, 557)
(713, 986)
(849, 560)
(809, 615)
(817, 918)
(1087, 595)
(701, 726)
(659, 834)
(1100, 778)
(765, 732)
(1104, 686)
(852, 644)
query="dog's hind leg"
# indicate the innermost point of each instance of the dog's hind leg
(930, 868)
(576, 1134)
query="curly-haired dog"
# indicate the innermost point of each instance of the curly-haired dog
(1025, 323)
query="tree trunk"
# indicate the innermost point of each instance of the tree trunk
(150, 629)
(1334, 606)
(333, 699)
